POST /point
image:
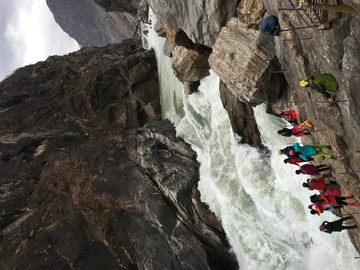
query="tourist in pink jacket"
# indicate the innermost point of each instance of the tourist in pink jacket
(335, 200)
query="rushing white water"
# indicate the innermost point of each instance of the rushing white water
(259, 199)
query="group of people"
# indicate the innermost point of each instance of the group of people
(329, 196)
(324, 83)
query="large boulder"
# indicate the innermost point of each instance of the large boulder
(246, 61)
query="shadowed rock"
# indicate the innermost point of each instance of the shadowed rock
(90, 179)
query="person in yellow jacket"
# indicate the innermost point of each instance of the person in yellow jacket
(324, 83)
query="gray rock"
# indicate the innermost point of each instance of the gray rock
(90, 179)
(91, 25)
(245, 60)
(201, 20)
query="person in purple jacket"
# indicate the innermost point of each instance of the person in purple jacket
(311, 169)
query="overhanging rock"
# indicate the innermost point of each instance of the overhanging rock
(245, 60)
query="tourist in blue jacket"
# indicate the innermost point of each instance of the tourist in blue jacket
(270, 25)
(312, 151)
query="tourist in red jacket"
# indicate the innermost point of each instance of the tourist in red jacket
(335, 200)
(294, 160)
(319, 184)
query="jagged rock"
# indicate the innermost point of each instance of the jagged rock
(91, 85)
(191, 87)
(127, 6)
(245, 60)
(189, 60)
(201, 21)
(90, 25)
(250, 12)
(86, 185)
(241, 117)
(188, 65)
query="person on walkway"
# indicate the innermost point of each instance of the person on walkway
(296, 160)
(336, 226)
(306, 125)
(290, 116)
(295, 131)
(321, 203)
(318, 209)
(337, 200)
(315, 151)
(289, 151)
(270, 25)
(311, 169)
(324, 83)
(319, 184)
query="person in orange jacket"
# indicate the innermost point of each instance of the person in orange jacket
(290, 116)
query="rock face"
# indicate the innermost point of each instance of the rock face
(91, 179)
(200, 20)
(303, 52)
(336, 51)
(90, 25)
(127, 6)
(245, 60)
(241, 117)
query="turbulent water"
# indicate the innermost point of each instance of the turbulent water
(258, 198)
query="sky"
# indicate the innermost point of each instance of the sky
(28, 34)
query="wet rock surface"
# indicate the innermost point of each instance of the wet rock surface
(299, 54)
(91, 178)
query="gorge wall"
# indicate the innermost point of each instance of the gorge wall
(91, 178)
(247, 76)
(90, 24)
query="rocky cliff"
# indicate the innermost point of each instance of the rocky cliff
(253, 70)
(91, 178)
(90, 24)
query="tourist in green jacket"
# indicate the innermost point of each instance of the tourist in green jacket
(324, 83)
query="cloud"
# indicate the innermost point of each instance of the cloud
(29, 34)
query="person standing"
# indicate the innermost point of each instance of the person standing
(336, 226)
(336, 200)
(295, 160)
(290, 116)
(314, 151)
(311, 169)
(270, 25)
(319, 184)
(324, 83)
(295, 131)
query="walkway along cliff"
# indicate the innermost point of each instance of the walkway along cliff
(304, 49)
